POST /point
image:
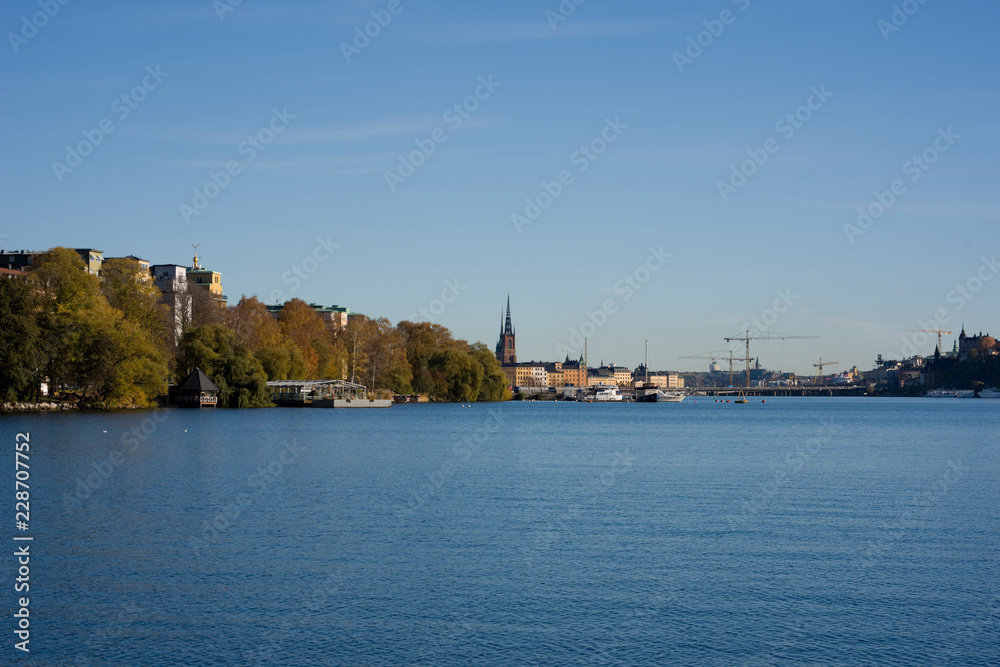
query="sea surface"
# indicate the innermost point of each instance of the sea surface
(800, 531)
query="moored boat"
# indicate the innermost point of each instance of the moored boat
(604, 395)
(647, 393)
(656, 395)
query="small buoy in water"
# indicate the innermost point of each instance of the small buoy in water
(763, 401)
(185, 430)
(103, 431)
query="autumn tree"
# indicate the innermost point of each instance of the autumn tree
(388, 366)
(307, 330)
(205, 308)
(254, 326)
(356, 339)
(257, 329)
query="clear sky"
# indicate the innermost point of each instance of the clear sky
(314, 119)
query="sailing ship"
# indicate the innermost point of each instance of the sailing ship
(652, 394)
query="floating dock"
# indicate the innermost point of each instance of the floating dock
(323, 394)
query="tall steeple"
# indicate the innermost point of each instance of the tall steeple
(506, 352)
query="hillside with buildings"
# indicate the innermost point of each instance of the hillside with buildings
(121, 331)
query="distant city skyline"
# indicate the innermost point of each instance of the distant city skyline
(668, 173)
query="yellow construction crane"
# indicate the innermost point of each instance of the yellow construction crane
(820, 366)
(937, 331)
(718, 356)
(761, 335)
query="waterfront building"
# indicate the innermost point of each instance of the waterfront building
(983, 344)
(527, 374)
(556, 377)
(574, 373)
(659, 379)
(595, 379)
(532, 374)
(613, 375)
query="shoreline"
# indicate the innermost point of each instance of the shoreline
(44, 406)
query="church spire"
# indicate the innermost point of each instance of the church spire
(507, 330)
(506, 347)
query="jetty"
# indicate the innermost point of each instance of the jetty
(323, 394)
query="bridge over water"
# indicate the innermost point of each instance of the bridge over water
(800, 390)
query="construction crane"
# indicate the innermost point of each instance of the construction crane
(820, 366)
(717, 356)
(937, 331)
(762, 335)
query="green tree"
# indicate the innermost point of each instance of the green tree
(68, 295)
(457, 376)
(238, 373)
(20, 356)
(89, 344)
(423, 340)
(494, 385)
(282, 362)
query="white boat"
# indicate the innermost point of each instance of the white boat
(604, 395)
(993, 392)
(965, 393)
(942, 393)
(953, 393)
(656, 395)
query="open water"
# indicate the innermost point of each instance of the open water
(841, 531)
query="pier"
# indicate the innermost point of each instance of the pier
(323, 394)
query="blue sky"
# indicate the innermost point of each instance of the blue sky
(673, 129)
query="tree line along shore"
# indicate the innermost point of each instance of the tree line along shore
(109, 342)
